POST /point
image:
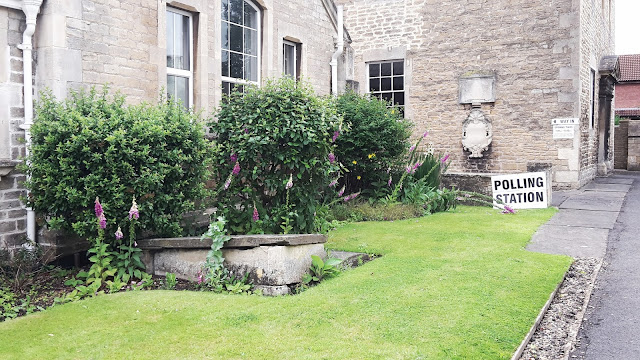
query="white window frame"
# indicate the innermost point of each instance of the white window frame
(179, 72)
(404, 79)
(286, 43)
(259, 56)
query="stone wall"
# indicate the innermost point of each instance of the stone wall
(596, 41)
(621, 145)
(532, 47)
(123, 43)
(12, 149)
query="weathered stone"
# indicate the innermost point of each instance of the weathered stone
(273, 290)
(236, 242)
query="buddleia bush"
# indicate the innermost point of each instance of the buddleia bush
(94, 145)
(275, 157)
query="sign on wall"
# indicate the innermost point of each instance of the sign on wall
(564, 128)
(521, 191)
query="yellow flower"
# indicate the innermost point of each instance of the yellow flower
(359, 177)
(371, 156)
(354, 162)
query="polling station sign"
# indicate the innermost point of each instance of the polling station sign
(521, 191)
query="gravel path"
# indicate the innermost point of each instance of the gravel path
(555, 337)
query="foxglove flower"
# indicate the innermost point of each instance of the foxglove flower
(332, 158)
(256, 216)
(413, 147)
(133, 212)
(290, 182)
(98, 208)
(102, 221)
(389, 182)
(341, 191)
(444, 159)
(408, 169)
(426, 133)
(236, 169)
(333, 183)
(228, 182)
(415, 167)
(336, 134)
(508, 210)
(119, 235)
(233, 157)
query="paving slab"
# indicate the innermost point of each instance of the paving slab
(558, 197)
(595, 200)
(585, 218)
(569, 240)
(614, 180)
(607, 187)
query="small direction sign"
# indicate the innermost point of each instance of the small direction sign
(565, 121)
(521, 191)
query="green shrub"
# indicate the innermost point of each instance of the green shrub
(376, 140)
(269, 137)
(94, 145)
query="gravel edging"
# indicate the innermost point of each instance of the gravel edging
(555, 336)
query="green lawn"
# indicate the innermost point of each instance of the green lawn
(456, 285)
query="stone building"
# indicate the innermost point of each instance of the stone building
(495, 74)
(193, 50)
(486, 78)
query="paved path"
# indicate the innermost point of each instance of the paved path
(586, 217)
(611, 329)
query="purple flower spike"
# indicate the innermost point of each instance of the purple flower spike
(389, 182)
(234, 157)
(332, 158)
(133, 212)
(413, 147)
(341, 191)
(119, 234)
(408, 169)
(256, 216)
(444, 158)
(426, 133)
(290, 182)
(246, 130)
(508, 210)
(333, 183)
(228, 182)
(336, 134)
(98, 208)
(103, 221)
(236, 169)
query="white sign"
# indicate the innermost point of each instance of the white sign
(521, 191)
(563, 131)
(565, 121)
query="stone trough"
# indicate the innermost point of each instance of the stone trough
(273, 262)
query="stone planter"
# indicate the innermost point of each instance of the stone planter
(272, 261)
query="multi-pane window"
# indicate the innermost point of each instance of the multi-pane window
(179, 56)
(386, 81)
(290, 59)
(240, 44)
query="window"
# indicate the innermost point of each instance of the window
(179, 56)
(592, 109)
(386, 81)
(240, 43)
(290, 59)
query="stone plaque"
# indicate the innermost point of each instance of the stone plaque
(477, 89)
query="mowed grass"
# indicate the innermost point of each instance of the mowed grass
(455, 285)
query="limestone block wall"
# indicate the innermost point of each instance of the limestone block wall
(123, 43)
(532, 47)
(596, 40)
(12, 150)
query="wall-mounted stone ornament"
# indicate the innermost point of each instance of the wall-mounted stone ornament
(476, 133)
(475, 88)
